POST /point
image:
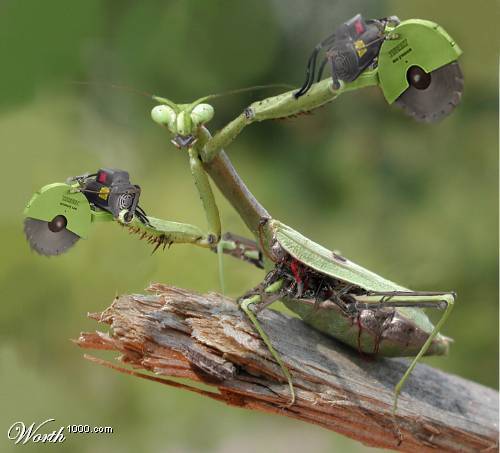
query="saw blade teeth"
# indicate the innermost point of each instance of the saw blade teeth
(46, 242)
(439, 99)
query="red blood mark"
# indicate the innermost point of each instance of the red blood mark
(295, 268)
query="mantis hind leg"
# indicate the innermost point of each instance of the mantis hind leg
(240, 248)
(269, 295)
(438, 300)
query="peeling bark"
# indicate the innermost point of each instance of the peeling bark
(206, 338)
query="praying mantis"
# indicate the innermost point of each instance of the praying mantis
(354, 296)
(331, 293)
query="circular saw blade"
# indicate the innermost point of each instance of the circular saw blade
(46, 242)
(439, 99)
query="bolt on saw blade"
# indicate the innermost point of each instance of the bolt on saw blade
(431, 97)
(45, 241)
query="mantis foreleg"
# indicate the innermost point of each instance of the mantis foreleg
(165, 233)
(206, 196)
(282, 106)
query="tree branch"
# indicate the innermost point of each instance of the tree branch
(206, 338)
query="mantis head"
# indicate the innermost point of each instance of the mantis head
(182, 120)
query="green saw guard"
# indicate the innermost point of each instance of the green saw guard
(419, 43)
(61, 199)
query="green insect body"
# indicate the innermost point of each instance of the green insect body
(345, 301)
(400, 331)
(371, 334)
(329, 292)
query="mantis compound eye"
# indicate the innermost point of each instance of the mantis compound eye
(164, 115)
(202, 114)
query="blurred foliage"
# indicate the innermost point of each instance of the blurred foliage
(416, 203)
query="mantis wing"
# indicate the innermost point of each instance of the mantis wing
(329, 263)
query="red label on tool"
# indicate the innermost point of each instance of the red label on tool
(102, 177)
(358, 25)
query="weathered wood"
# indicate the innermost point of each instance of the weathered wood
(206, 338)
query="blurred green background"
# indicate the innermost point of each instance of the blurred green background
(416, 203)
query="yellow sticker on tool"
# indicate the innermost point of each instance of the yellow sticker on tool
(360, 47)
(104, 193)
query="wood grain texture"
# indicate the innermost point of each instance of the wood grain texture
(206, 338)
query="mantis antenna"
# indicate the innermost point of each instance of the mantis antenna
(172, 104)
(241, 90)
(218, 95)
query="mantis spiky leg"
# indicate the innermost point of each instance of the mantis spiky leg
(438, 300)
(264, 298)
(164, 233)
